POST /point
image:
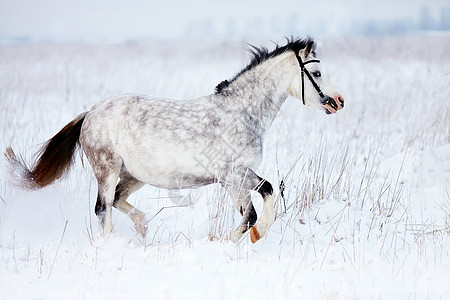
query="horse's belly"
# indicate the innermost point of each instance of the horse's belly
(167, 169)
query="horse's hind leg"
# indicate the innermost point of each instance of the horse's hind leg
(106, 167)
(126, 186)
(242, 202)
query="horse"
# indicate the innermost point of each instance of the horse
(131, 140)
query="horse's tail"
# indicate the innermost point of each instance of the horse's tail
(52, 161)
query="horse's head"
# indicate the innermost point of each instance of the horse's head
(311, 85)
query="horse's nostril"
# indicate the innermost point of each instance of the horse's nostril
(333, 104)
(341, 100)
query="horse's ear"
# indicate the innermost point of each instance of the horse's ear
(308, 48)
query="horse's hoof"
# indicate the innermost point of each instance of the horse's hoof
(141, 228)
(254, 234)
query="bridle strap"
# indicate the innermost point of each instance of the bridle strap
(305, 71)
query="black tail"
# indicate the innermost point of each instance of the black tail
(53, 160)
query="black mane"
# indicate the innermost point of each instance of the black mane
(262, 54)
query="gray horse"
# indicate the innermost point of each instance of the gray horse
(131, 140)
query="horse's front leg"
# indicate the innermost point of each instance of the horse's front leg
(242, 202)
(267, 215)
(245, 179)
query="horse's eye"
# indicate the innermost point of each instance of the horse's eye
(317, 74)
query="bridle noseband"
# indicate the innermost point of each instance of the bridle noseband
(305, 71)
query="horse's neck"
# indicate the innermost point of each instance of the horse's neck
(263, 90)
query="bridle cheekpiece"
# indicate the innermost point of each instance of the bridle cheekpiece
(305, 71)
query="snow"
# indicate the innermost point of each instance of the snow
(366, 213)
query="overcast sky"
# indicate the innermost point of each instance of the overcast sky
(140, 19)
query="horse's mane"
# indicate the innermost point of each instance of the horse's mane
(262, 54)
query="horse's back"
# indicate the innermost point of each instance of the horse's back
(159, 141)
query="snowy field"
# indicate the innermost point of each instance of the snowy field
(366, 207)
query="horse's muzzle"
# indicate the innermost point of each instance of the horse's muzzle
(332, 104)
